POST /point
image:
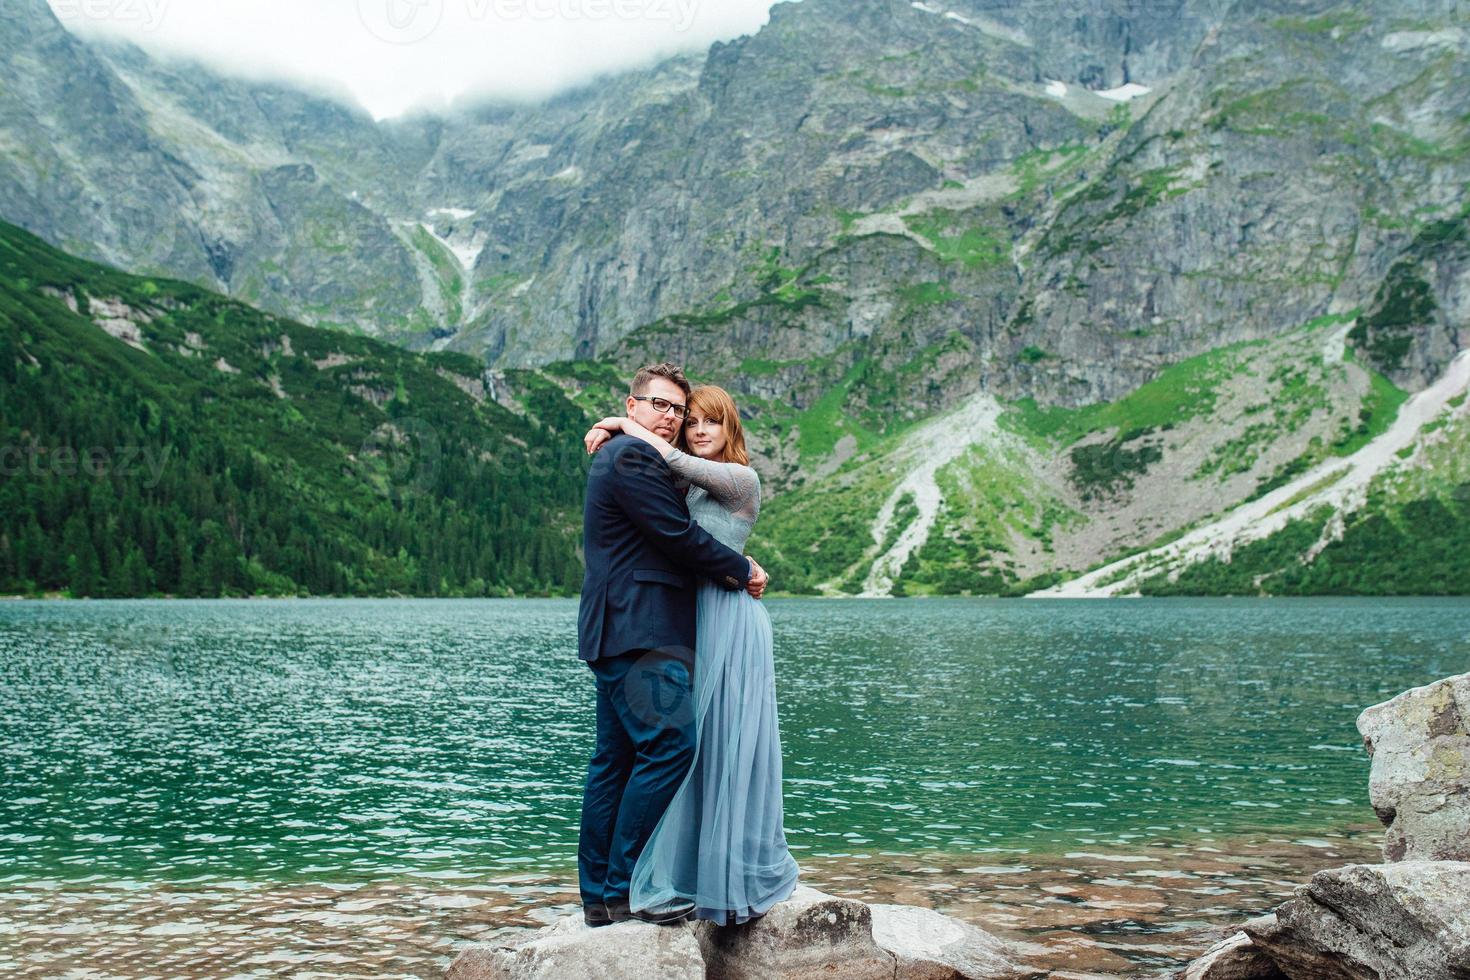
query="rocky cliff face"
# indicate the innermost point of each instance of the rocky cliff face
(1269, 174)
(1272, 182)
(81, 164)
(258, 191)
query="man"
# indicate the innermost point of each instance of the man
(635, 630)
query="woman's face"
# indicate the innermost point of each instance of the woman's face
(705, 435)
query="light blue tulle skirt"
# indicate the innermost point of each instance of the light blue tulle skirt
(721, 843)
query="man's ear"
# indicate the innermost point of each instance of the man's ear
(629, 404)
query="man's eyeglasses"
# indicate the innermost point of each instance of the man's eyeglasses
(662, 405)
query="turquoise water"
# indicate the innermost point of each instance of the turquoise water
(357, 740)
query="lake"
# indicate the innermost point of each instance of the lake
(254, 787)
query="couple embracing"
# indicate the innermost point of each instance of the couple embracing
(681, 815)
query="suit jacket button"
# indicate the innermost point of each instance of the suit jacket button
(732, 580)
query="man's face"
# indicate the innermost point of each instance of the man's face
(664, 424)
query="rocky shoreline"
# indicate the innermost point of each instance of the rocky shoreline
(1407, 918)
(811, 934)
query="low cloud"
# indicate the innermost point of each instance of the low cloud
(396, 56)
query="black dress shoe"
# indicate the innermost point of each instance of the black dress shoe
(666, 913)
(597, 914)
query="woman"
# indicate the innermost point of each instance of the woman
(720, 844)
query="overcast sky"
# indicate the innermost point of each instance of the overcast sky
(394, 55)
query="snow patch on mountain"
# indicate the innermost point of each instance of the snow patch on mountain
(1124, 93)
(935, 445)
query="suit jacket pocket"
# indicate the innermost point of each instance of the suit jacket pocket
(659, 575)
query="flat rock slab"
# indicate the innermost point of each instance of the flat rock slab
(1404, 921)
(1419, 783)
(927, 945)
(571, 950)
(809, 935)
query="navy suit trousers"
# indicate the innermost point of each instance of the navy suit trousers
(644, 748)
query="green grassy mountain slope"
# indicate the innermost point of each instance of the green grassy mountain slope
(1394, 519)
(1011, 498)
(161, 439)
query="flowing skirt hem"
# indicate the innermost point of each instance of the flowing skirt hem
(736, 917)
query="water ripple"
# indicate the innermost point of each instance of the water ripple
(361, 740)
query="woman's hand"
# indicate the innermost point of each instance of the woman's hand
(602, 432)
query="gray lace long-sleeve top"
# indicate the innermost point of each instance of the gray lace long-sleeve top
(725, 497)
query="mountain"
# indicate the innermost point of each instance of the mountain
(1095, 192)
(162, 439)
(1282, 466)
(1013, 296)
(166, 169)
(535, 233)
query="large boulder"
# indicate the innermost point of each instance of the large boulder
(1419, 784)
(809, 935)
(1404, 921)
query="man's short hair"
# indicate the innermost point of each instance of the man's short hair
(664, 369)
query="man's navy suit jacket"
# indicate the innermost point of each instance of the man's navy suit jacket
(641, 549)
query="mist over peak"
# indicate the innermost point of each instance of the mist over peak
(395, 57)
